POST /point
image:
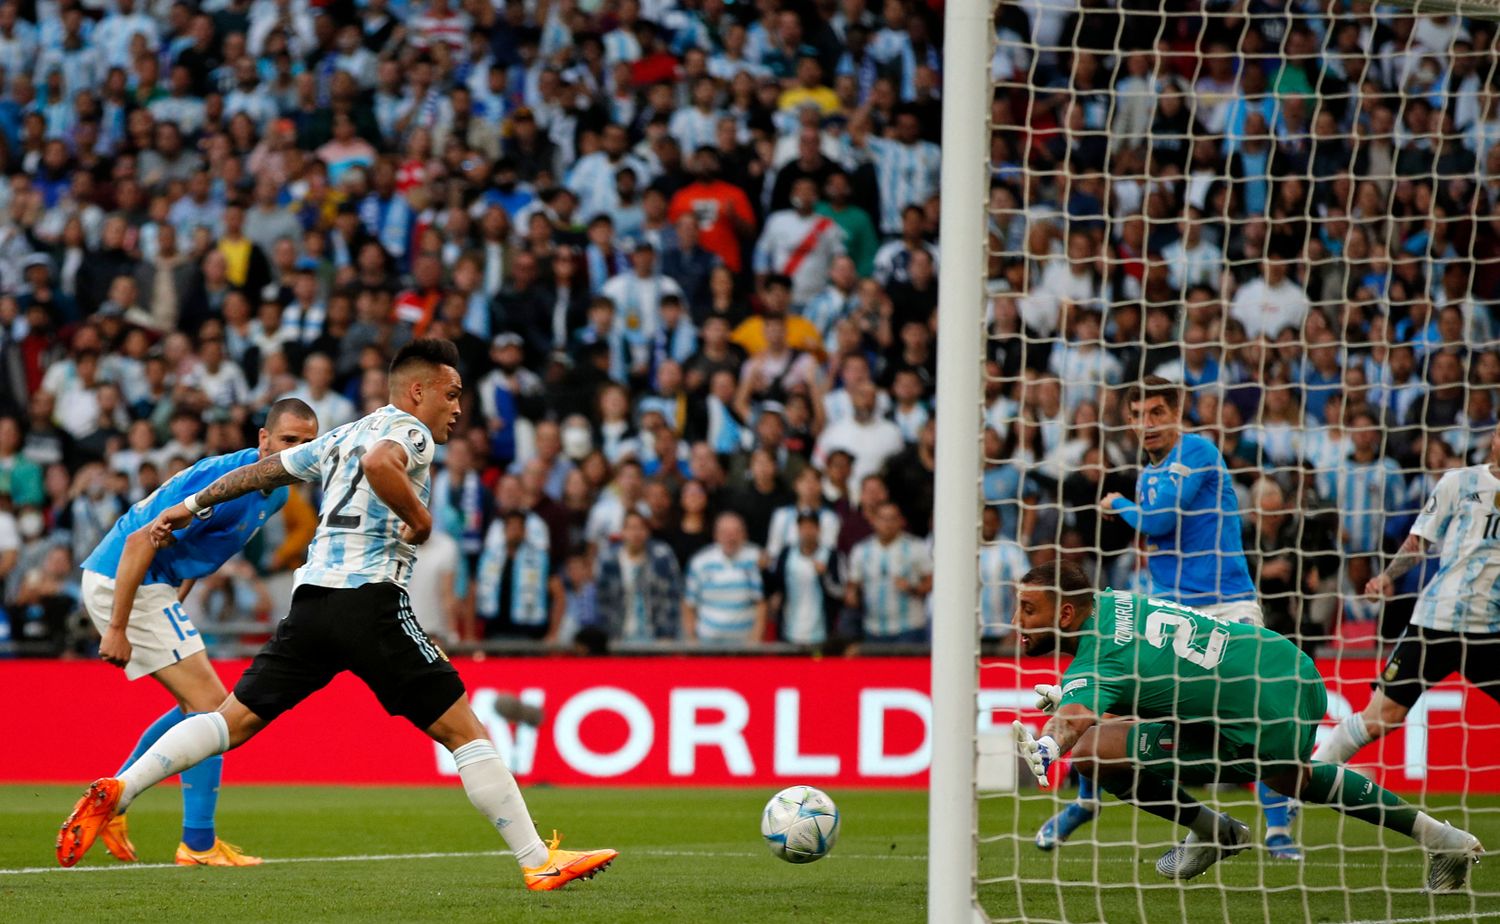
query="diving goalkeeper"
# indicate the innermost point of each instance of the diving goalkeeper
(1198, 701)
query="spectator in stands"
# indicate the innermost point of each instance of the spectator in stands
(889, 577)
(515, 593)
(806, 589)
(639, 585)
(723, 598)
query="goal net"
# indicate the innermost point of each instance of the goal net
(1291, 210)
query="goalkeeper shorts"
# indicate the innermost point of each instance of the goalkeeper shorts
(1197, 753)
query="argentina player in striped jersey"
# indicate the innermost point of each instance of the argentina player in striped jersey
(1188, 515)
(350, 611)
(134, 593)
(1455, 626)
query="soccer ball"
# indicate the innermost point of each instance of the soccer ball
(800, 824)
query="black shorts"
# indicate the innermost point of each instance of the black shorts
(1424, 657)
(368, 630)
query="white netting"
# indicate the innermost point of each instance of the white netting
(1293, 209)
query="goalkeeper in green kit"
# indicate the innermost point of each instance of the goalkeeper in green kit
(1161, 695)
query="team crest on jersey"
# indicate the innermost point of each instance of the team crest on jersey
(418, 440)
(1390, 671)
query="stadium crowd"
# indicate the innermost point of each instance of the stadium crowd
(687, 250)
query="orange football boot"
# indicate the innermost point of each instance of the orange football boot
(117, 840)
(222, 853)
(564, 866)
(90, 815)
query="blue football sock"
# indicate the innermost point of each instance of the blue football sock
(1088, 792)
(153, 731)
(200, 797)
(1273, 805)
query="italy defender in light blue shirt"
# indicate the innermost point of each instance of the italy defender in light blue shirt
(1188, 516)
(133, 592)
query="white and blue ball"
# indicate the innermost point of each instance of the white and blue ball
(800, 824)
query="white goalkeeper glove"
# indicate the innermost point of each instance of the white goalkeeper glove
(1038, 754)
(1048, 696)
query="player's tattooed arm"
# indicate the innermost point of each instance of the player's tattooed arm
(1068, 725)
(1411, 553)
(264, 475)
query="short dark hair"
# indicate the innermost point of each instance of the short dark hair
(294, 406)
(428, 351)
(1061, 578)
(1154, 386)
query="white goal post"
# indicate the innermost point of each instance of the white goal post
(952, 812)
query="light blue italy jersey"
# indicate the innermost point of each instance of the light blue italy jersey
(725, 590)
(357, 541)
(1462, 517)
(1188, 513)
(876, 567)
(203, 546)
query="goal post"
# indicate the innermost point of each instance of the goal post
(952, 812)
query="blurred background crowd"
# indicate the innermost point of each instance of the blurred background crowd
(687, 250)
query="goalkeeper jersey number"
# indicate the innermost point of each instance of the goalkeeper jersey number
(1149, 658)
(357, 541)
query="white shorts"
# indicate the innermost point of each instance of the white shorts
(1245, 611)
(159, 632)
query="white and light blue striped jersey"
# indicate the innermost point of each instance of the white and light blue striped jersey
(876, 568)
(357, 541)
(695, 129)
(826, 309)
(1366, 494)
(907, 174)
(1001, 565)
(725, 591)
(1462, 516)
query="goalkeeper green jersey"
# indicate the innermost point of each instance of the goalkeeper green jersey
(1148, 658)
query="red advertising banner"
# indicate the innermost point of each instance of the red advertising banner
(659, 721)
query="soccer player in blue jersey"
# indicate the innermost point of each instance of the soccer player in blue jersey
(1188, 516)
(350, 612)
(133, 592)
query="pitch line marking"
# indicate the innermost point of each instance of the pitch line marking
(437, 855)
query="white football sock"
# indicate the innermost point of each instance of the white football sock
(189, 742)
(493, 790)
(1344, 741)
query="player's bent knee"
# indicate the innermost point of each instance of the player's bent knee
(458, 726)
(1384, 715)
(243, 724)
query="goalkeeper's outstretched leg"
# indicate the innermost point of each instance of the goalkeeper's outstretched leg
(1451, 850)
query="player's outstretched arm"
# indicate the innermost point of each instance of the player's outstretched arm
(385, 469)
(1411, 553)
(135, 561)
(265, 475)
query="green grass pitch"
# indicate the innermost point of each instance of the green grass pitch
(691, 855)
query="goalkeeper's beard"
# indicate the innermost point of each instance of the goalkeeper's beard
(1040, 643)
